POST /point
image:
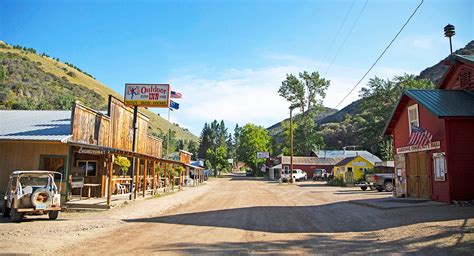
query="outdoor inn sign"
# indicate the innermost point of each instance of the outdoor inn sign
(416, 148)
(147, 95)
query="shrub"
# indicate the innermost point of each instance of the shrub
(337, 182)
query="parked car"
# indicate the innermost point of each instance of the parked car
(296, 173)
(320, 174)
(32, 192)
(378, 181)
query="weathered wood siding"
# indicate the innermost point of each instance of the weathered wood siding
(91, 127)
(18, 155)
(154, 147)
(114, 130)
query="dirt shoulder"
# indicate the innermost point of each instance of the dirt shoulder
(38, 235)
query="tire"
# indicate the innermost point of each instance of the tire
(53, 215)
(15, 216)
(5, 210)
(379, 189)
(42, 196)
(388, 186)
(363, 188)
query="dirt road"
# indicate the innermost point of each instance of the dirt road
(249, 215)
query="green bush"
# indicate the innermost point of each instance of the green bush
(337, 182)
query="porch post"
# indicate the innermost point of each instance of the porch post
(109, 189)
(153, 172)
(145, 166)
(137, 178)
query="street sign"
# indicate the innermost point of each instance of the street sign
(263, 155)
(147, 95)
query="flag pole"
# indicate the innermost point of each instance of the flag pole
(169, 133)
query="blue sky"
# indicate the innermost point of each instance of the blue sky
(228, 58)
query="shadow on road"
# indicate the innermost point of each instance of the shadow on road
(327, 244)
(330, 218)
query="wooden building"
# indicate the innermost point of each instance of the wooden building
(352, 168)
(441, 169)
(82, 144)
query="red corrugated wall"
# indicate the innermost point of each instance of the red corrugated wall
(461, 158)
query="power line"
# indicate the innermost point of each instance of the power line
(345, 39)
(377, 60)
(337, 34)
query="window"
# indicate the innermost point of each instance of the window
(413, 116)
(89, 168)
(439, 164)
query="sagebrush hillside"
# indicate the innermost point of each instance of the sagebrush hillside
(32, 81)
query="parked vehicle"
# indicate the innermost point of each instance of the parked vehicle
(32, 192)
(249, 173)
(320, 174)
(378, 181)
(297, 174)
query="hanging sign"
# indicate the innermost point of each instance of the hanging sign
(416, 148)
(263, 155)
(147, 95)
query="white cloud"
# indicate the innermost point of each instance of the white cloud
(251, 95)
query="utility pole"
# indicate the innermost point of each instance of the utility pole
(291, 144)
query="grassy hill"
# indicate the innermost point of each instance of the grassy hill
(32, 81)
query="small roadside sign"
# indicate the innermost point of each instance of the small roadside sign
(263, 155)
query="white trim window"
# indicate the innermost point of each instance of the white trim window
(413, 118)
(439, 166)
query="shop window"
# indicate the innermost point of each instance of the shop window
(89, 168)
(413, 116)
(439, 164)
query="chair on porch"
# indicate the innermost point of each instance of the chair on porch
(120, 188)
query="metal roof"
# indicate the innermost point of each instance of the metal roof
(308, 160)
(35, 125)
(445, 103)
(346, 161)
(342, 154)
(466, 58)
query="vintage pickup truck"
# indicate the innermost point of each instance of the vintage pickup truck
(379, 181)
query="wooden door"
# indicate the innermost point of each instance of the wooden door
(418, 175)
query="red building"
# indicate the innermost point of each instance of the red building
(443, 169)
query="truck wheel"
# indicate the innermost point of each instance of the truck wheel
(379, 189)
(388, 186)
(53, 215)
(363, 188)
(15, 216)
(5, 210)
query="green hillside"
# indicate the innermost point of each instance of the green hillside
(32, 81)
(339, 127)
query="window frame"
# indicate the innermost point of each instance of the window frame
(87, 164)
(415, 107)
(443, 168)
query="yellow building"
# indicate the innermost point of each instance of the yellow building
(352, 168)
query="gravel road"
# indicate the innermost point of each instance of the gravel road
(237, 215)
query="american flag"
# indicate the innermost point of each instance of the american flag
(176, 95)
(419, 136)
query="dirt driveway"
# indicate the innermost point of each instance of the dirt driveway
(250, 215)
